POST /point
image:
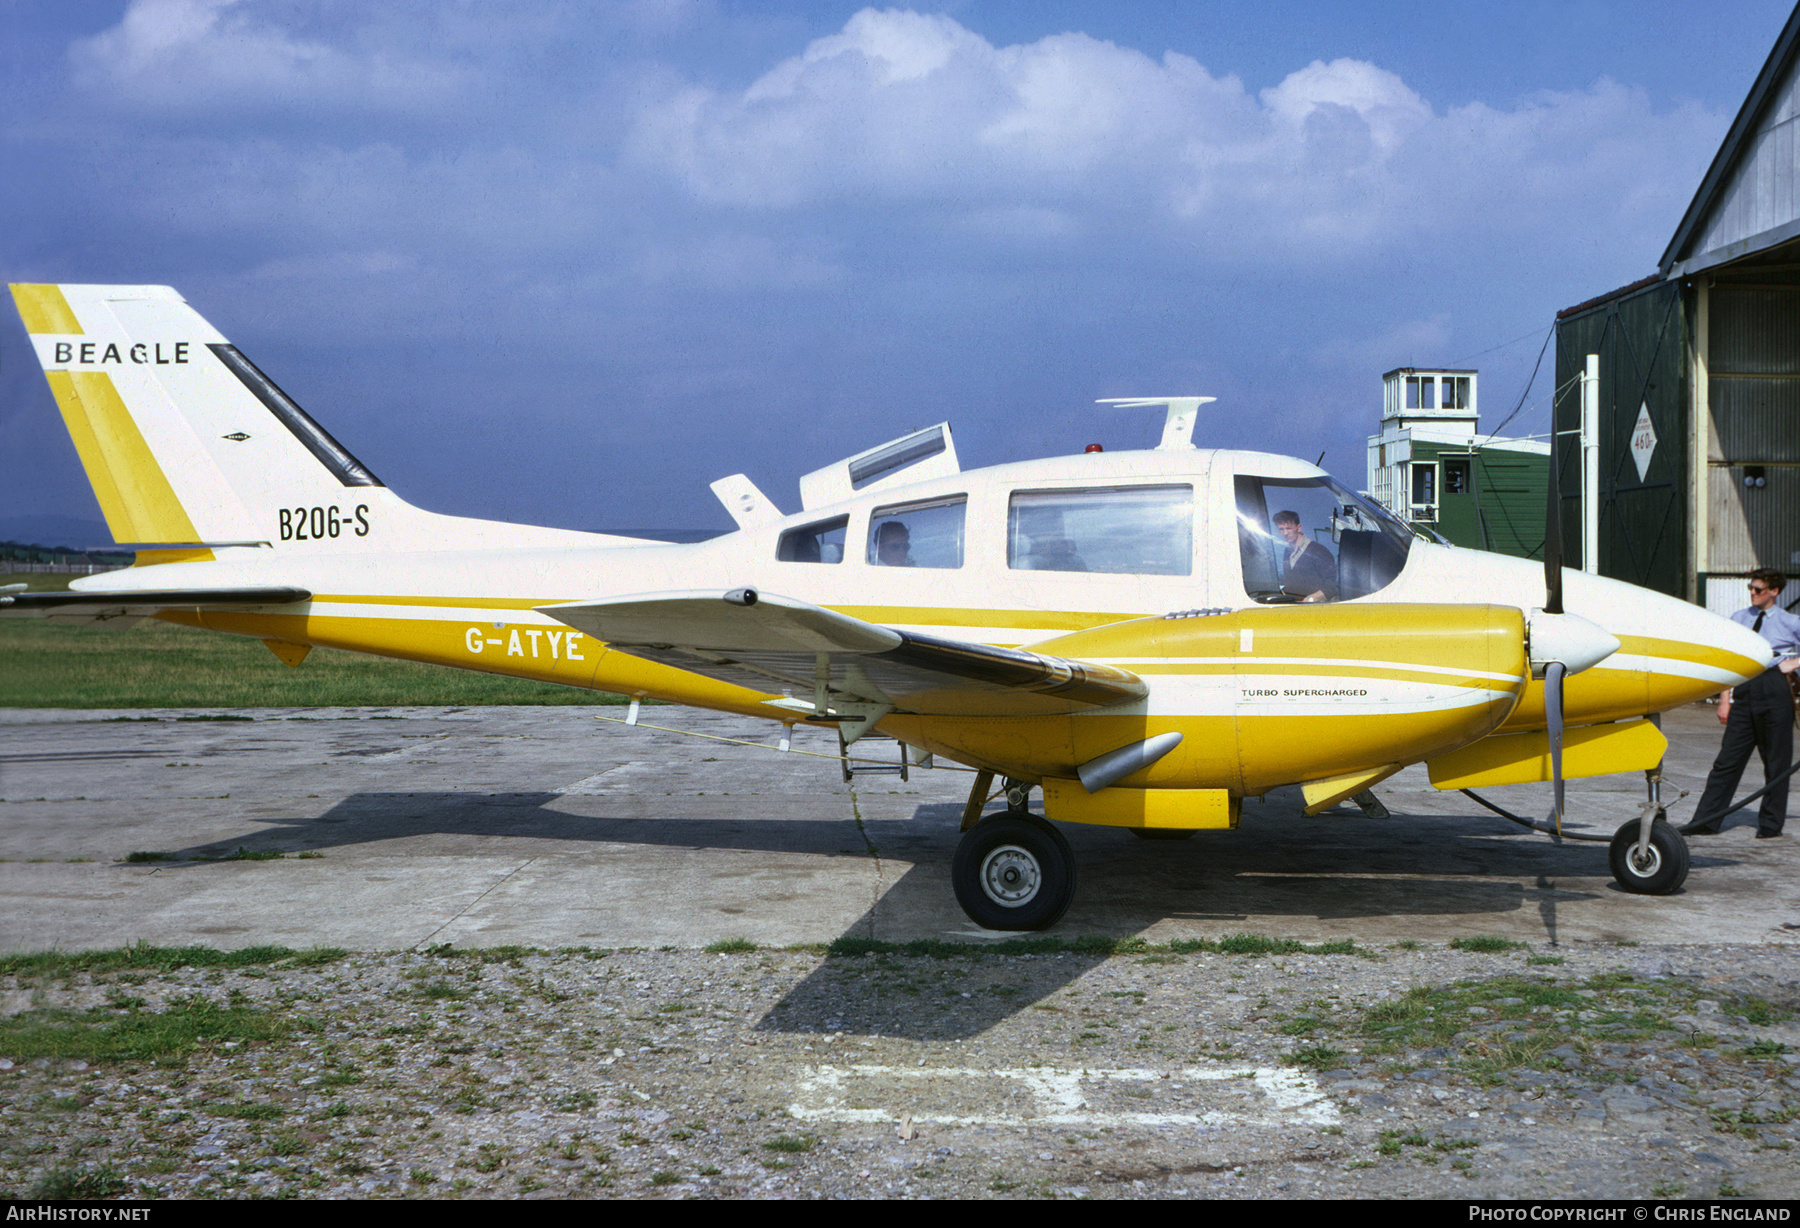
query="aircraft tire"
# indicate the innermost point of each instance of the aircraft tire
(1014, 872)
(1666, 862)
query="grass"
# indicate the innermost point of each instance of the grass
(82, 1184)
(1316, 1057)
(1509, 1022)
(145, 958)
(1759, 1011)
(106, 1034)
(244, 854)
(731, 946)
(1764, 1048)
(163, 665)
(1486, 944)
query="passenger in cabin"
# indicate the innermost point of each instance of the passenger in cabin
(1055, 554)
(893, 544)
(1308, 570)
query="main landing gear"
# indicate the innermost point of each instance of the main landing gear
(1013, 871)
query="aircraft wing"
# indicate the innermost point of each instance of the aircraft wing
(808, 653)
(79, 606)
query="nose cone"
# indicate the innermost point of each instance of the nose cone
(1567, 638)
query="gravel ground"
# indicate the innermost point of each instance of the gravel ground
(1586, 1071)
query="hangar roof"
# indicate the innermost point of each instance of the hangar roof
(1750, 196)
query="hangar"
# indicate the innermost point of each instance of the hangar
(1687, 474)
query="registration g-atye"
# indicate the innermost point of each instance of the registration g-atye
(1126, 633)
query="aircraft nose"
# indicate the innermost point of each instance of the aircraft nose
(1739, 640)
(1685, 652)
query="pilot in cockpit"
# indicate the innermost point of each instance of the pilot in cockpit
(1308, 571)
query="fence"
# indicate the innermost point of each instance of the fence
(62, 569)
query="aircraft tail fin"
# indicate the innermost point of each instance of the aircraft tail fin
(184, 440)
(190, 446)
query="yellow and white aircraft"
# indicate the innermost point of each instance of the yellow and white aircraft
(1148, 637)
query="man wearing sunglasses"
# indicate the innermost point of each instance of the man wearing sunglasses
(1759, 714)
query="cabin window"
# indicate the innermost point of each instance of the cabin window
(918, 534)
(815, 543)
(1309, 539)
(1137, 530)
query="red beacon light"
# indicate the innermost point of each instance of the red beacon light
(1093, 447)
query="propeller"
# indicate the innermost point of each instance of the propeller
(1554, 673)
(1559, 644)
(1553, 606)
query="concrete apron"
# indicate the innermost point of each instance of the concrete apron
(545, 827)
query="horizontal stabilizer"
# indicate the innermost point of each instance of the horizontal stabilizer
(769, 642)
(145, 601)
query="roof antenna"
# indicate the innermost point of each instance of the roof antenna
(1320, 463)
(1178, 427)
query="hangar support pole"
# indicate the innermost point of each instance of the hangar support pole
(1699, 438)
(1590, 466)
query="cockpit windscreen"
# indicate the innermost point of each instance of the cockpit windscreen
(1309, 539)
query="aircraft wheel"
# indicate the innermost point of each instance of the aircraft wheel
(1164, 833)
(1665, 864)
(1014, 872)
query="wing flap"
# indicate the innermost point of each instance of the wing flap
(766, 641)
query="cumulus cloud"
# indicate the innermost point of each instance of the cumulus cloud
(901, 107)
(176, 55)
(1051, 144)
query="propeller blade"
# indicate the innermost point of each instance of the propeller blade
(1553, 721)
(1553, 535)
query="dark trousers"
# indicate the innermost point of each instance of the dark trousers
(1762, 717)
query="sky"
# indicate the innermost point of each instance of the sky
(568, 263)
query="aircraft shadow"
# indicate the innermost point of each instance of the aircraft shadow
(950, 998)
(1282, 865)
(1277, 867)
